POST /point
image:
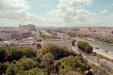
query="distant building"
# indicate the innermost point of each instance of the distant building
(106, 32)
(31, 27)
(26, 30)
(23, 31)
(8, 35)
(5, 36)
(59, 42)
(21, 43)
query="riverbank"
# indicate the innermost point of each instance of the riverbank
(105, 47)
(101, 49)
(94, 40)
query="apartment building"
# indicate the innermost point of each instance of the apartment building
(59, 42)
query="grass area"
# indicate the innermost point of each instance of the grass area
(102, 56)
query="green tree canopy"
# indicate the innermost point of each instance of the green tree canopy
(26, 64)
(85, 46)
(47, 62)
(57, 63)
(3, 67)
(38, 45)
(88, 48)
(3, 51)
(73, 73)
(28, 52)
(34, 71)
(15, 53)
(70, 63)
(55, 50)
(12, 70)
(73, 42)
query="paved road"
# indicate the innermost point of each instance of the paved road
(84, 55)
(102, 53)
(94, 59)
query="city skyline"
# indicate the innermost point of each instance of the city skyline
(56, 13)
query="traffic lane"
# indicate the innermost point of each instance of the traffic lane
(93, 58)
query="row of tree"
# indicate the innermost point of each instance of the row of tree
(85, 46)
(77, 34)
(107, 40)
(15, 53)
(83, 35)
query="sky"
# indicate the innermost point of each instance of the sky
(57, 13)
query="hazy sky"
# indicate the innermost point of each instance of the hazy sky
(57, 13)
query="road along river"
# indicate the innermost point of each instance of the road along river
(102, 47)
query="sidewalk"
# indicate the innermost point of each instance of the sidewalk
(104, 54)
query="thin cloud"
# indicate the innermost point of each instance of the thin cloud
(109, 5)
(103, 12)
(12, 12)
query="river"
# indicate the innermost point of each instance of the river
(99, 45)
(45, 32)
